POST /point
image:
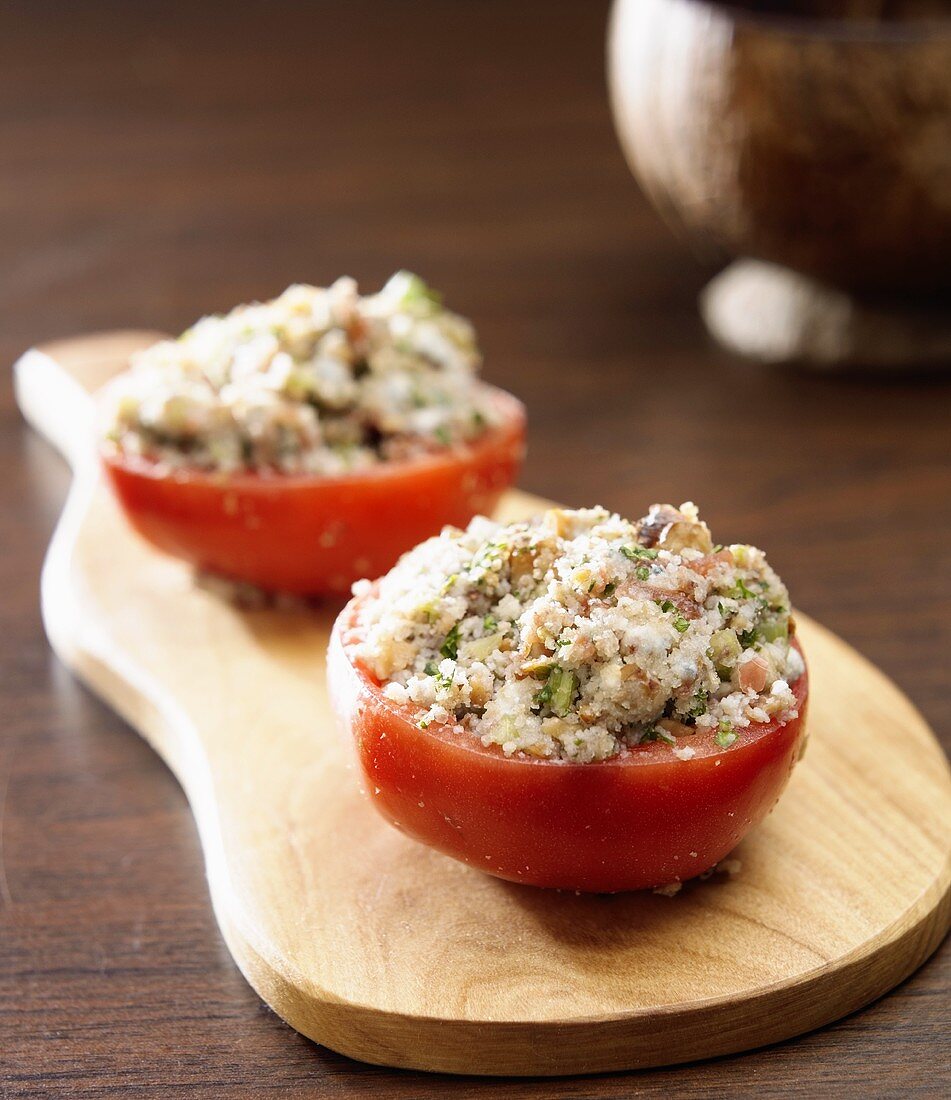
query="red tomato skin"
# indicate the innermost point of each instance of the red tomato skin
(626, 824)
(315, 536)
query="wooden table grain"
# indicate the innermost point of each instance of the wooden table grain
(158, 161)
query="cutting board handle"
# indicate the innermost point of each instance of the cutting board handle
(54, 384)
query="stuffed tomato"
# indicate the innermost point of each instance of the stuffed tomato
(305, 442)
(576, 701)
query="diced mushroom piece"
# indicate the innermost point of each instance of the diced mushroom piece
(630, 671)
(480, 690)
(582, 649)
(687, 606)
(668, 528)
(536, 557)
(686, 534)
(555, 727)
(536, 750)
(522, 564)
(675, 728)
(536, 666)
(651, 526)
(711, 562)
(559, 522)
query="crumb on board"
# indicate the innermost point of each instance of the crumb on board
(726, 867)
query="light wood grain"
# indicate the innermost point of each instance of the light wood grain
(388, 952)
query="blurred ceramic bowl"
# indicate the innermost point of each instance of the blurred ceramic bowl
(812, 136)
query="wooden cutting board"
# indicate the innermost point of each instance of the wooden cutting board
(382, 949)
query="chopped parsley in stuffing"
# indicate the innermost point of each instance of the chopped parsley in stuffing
(317, 381)
(578, 635)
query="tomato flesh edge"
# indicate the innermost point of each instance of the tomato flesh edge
(315, 536)
(630, 823)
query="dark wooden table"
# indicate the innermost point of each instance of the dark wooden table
(164, 160)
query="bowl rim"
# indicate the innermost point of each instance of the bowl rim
(838, 28)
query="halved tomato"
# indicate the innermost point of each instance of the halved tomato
(645, 819)
(317, 535)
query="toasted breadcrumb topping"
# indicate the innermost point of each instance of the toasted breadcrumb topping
(579, 635)
(317, 381)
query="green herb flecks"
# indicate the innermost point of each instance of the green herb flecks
(543, 696)
(740, 591)
(429, 611)
(680, 624)
(488, 557)
(656, 733)
(450, 647)
(699, 704)
(559, 691)
(412, 292)
(443, 680)
(638, 553)
(725, 735)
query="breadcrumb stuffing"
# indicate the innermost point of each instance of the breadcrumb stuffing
(579, 635)
(316, 381)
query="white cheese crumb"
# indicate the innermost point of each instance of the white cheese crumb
(671, 889)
